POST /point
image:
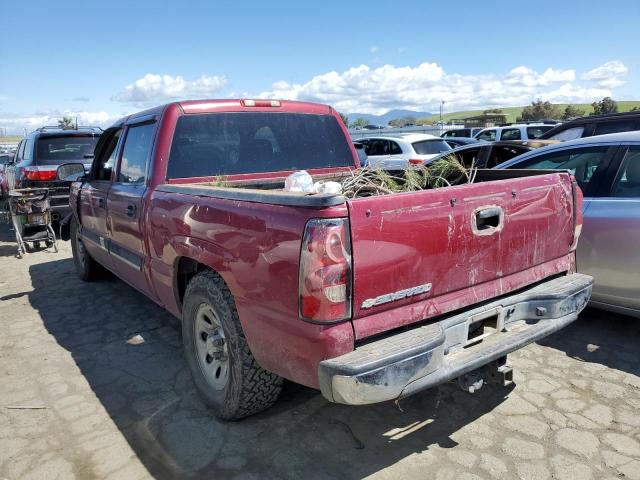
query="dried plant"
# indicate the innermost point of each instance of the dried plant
(220, 181)
(447, 171)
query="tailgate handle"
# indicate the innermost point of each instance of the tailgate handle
(488, 219)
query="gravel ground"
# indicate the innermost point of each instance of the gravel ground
(104, 403)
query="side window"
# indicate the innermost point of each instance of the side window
(27, 154)
(627, 182)
(582, 162)
(469, 157)
(500, 155)
(20, 151)
(394, 148)
(614, 127)
(510, 134)
(537, 131)
(137, 148)
(489, 135)
(377, 147)
(568, 134)
(107, 156)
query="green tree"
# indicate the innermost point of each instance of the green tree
(571, 111)
(360, 122)
(606, 105)
(538, 110)
(344, 118)
(66, 123)
(493, 110)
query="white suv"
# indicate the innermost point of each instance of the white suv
(526, 131)
(398, 151)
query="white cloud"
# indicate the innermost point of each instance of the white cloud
(373, 48)
(153, 88)
(17, 123)
(376, 90)
(607, 75)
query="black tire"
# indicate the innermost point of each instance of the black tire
(247, 388)
(86, 267)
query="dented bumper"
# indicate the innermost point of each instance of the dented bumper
(426, 356)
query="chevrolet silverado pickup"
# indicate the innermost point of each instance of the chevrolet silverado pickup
(366, 299)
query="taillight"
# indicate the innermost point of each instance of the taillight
(416, 161)
(34, 173)
(260, 103)
(325, 271)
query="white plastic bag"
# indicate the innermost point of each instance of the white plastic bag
(299, 181)
(328, 187)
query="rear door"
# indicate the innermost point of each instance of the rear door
(125, 203)
(608, 247)
(93, 198)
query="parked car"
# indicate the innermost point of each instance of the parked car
(489, 154)
(367, 299)
(455, 142)
(461, 132)
(373, 127)
(398, 151)
(607, 169)
(594, 125)
(524, 131)
(39, 155)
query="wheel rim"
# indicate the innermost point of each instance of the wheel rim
(211, 347)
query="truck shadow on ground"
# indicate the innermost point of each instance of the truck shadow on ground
(147, 390)
(602, 337)
(145, 386)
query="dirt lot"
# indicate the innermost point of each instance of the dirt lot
(106, 405)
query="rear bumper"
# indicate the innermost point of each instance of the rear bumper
(414, 360)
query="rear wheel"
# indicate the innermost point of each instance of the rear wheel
(227, 376)
(86, 266)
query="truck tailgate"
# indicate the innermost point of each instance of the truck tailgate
(432, 244)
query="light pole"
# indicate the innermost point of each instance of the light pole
(441, 110)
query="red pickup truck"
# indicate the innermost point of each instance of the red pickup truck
(367, 299)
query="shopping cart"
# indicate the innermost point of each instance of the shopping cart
(31, 217)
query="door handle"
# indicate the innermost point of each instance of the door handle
(487, 219)
(131, 211)
(101, 202)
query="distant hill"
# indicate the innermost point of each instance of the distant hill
(515, 112)
(387, 117)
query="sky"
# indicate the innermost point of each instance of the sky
(100, 61)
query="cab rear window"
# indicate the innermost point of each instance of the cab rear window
(215, 144)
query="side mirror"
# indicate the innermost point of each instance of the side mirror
(70, 172)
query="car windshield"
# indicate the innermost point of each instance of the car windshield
(63, 149)
(214, 144)
(430, 147)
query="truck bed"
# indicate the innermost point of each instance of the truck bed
(421, 254)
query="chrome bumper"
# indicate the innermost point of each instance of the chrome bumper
(426, 356)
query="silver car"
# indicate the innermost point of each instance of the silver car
(397, 152)
(607, 168)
